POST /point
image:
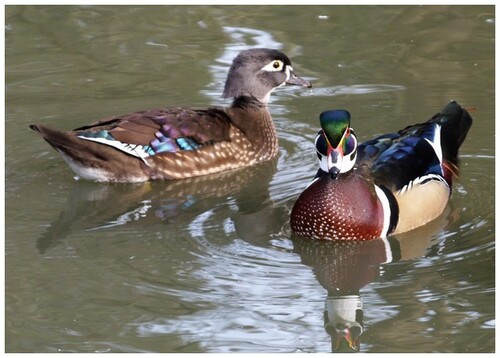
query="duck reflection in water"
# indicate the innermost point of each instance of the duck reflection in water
(344, 268)
(341, 268)
(94, 206)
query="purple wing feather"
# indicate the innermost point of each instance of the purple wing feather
(160, 130)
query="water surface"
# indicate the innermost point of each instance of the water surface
(209, 264)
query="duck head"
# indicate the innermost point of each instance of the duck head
(336, 144)
(257, 72)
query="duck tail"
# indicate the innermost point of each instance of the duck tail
(455, 123)
(87, 159)
(92, 160)
(58, 140)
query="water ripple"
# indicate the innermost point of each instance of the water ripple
(345, 90)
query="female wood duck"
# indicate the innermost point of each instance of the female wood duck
(175, 143)
(387, 185)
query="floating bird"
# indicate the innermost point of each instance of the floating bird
(388, 185)
(176, 142)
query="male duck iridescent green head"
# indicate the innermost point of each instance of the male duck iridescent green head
(336, 144)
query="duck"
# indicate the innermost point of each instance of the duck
(384, 186)
(183, 142)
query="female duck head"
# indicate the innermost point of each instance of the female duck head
(257, 72)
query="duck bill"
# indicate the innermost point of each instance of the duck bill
(295, 80)
(334, 163)
(334, 172)
(346, 342)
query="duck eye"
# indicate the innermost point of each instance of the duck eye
(273, 66)
(321, 144)
(350, 144)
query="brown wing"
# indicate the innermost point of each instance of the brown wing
(203, 126)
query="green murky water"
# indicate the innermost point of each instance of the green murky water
(210, 265)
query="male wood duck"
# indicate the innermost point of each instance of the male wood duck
(388, 185)
(175, 142)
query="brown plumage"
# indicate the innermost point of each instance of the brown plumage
(176, 142)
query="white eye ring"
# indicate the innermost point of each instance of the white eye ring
(273, 66)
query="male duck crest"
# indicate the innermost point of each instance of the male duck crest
(176, 142)
(336, 143)
(396, 182)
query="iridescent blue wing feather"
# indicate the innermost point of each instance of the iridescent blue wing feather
(419, 151)
(408, 158)
(148, 133)
(372, 148)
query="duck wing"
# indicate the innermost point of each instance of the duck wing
(419, 152)
(157, 131)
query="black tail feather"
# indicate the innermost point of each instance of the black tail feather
(455, 123)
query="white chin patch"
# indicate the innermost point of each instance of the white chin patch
(348, 163)
(266, 98)
(323, 163)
